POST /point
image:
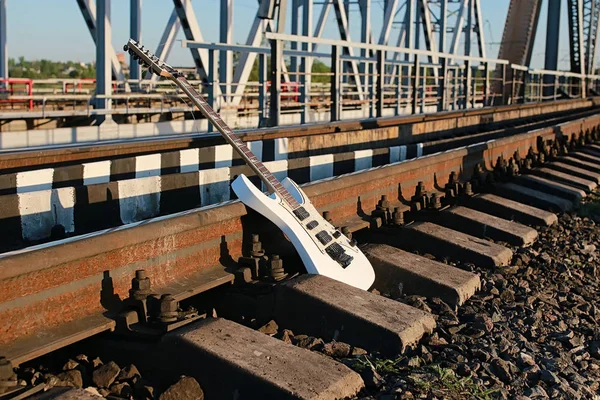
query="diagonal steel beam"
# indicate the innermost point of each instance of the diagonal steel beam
(88, 10)
(388, 19)
(166, 40)
(479, 29)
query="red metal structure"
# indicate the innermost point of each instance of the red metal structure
(15, 86)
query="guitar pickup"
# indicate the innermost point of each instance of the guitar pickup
(324, 237)
(301, 213)
(312, 224)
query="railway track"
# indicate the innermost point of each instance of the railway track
(468, 204)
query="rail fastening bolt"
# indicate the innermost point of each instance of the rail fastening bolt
(256, 251)
(168, 308)
(398, 216)
(140, 285)
(346, 232)
(468, 189)
(276, 268)
(436, 202)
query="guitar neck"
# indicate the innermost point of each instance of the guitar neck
(240, 147)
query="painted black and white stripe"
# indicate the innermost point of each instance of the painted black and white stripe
(159, 184)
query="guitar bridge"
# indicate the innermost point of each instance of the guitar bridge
(336, 252)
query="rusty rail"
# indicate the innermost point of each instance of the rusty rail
(59, 293)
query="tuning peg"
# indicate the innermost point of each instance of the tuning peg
(126, 48)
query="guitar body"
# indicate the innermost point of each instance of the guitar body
(358, 273)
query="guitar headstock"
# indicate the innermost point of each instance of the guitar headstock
(149, 61)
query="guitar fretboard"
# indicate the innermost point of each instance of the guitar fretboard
(257, 166)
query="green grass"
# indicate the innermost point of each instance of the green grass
(431, 379)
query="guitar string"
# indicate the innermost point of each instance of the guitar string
(195, 130)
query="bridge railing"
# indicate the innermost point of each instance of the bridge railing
(299, 79)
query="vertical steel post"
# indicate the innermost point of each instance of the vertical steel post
(3, 41)
(442, 84)
(486, 85)
(469, 28)
(293, 44)
(103, 64)
(552, 40)
(416, 84)
(380, 70)
(213, 81)
(365, 33)
(467, 83)
(275, 94)
(262, 90)
(226, 57)
(307, 62)
(135, 32)
(336, 95)
(398, 88)
(504, 100)
(443, 21)
(408, 22)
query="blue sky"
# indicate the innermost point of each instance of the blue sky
(56, 30)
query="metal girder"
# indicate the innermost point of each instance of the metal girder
(166, 40)
(460, 20)
(479, 28)
(103, 62)
(135, 32)
(226, 57)
(591, 13)
(576, 35)
(3, 41)
(519, 31)
(88, 10)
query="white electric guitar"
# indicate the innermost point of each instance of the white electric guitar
(323, 249)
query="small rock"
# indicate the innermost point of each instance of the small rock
(105, 375)
(129, 372)
(526, 360)
(501, 369)
(286, 335)
(463, 369)
(337, 349)
(122, 389)
(371, 378)
(96, 362)
(71, 364)
(594, 349)
(270, 328)
(186, 389)
(549, 377)
(357, 351)
(308, 342)
(484, 322)
(71, 378)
